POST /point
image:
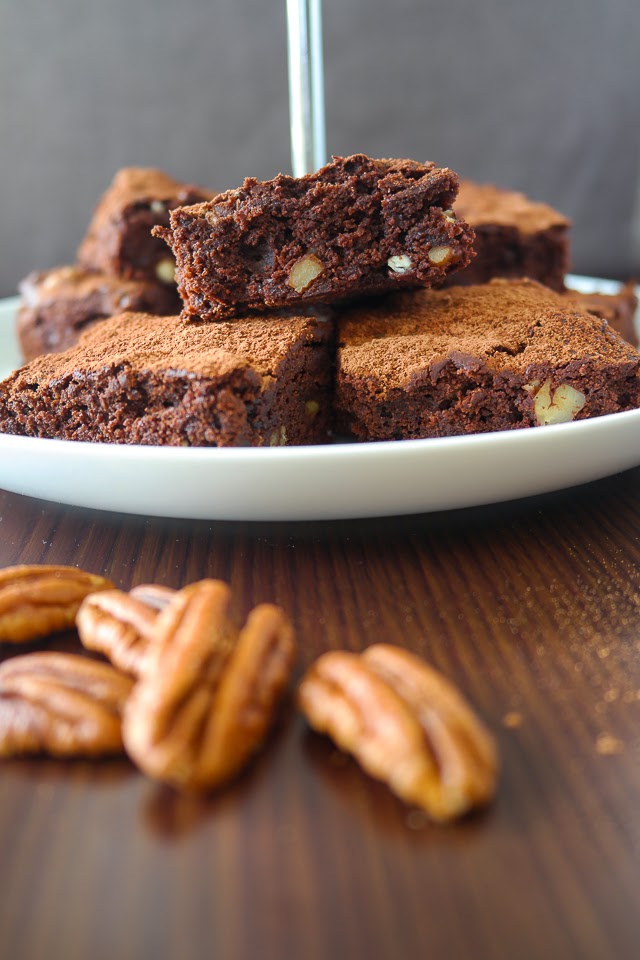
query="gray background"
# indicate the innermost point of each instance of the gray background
(542, 95)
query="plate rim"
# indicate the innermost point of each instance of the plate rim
(194, 466)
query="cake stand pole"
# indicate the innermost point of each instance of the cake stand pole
(306, 86)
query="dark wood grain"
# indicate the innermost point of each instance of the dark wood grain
(532, 607)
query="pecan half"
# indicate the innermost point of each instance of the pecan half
(208, 694)
(252, 684)
(120, 625)
(38, 600)
(463, 748)
(406, 725)
(61, 704)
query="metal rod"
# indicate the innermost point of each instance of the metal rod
(306, 86)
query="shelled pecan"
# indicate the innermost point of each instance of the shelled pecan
(120, 625)
(251, 686)
(38, 600)
(60, 704)
(208, 694)
(406, 725)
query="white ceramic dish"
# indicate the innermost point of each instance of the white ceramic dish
(315, 483)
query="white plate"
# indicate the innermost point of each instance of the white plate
(315, 483)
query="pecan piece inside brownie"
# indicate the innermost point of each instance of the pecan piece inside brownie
(357, 226)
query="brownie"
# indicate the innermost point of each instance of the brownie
(506, 354)
(57, 305)
(357, 226)
(119, 238)
(515, 237)
(618, 308)
(137, 378)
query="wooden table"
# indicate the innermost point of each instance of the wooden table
(532, 608)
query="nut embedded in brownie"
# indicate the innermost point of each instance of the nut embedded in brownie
(136, 378)
(515, 237)
(57, 305)
(356, 227)
(119, 238)
(507, 354)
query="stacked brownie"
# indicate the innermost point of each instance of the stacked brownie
(470, 359)
(57, 305)
(251, 359)
(618, 309)
(120, 265)
(356, 227)
(137, 378)
(306, 307)
(517, 237)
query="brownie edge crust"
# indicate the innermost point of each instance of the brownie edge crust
(143, 379)
(357, 226)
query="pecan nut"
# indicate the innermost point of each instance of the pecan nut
(406, 725)
(120, 625)
(463, 748)
(208, 694)
(61, 704)
(252, 684)
(38, 600)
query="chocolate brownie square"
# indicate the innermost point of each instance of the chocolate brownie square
(618, 308)
(515, 237)
(119, 238)
(357, 226)
(464, 360)
(136, 378)
(57, 305)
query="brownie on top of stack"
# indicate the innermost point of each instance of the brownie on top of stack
(517, 238)
(119, 239)
(356, 227)
(120, 265)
